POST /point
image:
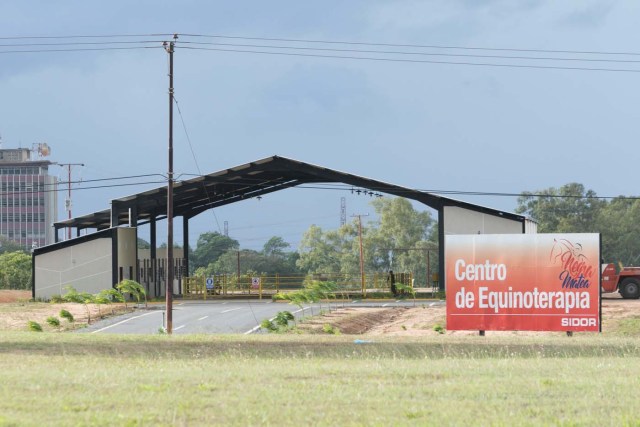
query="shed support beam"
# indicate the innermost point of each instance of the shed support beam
(115, 212)
(185, 241)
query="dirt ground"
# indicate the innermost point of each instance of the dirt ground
(14, 296)
(421, 320)
(16, 311)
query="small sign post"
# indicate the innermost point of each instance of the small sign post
(209, 285)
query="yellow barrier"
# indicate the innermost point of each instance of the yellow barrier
(231, 284)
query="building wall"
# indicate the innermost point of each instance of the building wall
(127, 251)
(464, 221)
(86, 266)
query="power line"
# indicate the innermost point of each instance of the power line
(329, 42)
(85, 36)
(327, 186)
(348, 187)
(391, 52)
(18, 192)
(587, 52)
(184, 126)
(79, 49)
(418, 61)
(81, 43)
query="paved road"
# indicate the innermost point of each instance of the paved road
(216, 317)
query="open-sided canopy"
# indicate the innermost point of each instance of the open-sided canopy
(194, 196)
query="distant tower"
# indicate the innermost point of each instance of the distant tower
(343, 211)
(226, 228)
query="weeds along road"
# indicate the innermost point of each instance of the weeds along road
(219, 317)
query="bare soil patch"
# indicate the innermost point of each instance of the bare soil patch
(422, 320)
(16, 311)
(8, 295)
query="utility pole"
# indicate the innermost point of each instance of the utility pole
(169, 47)
(68, 201)
(362, 282)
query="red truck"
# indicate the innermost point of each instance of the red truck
(627, 281)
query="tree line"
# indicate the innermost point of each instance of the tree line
(399, 240)
(574, 209)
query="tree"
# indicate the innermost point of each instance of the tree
(210, 247)
(143, 244)
(15, 270)
(320, 252)
(402, 237)
(398, 239)
(7, 245)
(280, 262)
(275, 246)
(619, 225)
(572, 209)
(568, 209)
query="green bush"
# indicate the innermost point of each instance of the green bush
(66, 315)
(330, 329)
(438, 328)
(56, 299)
(283, 318)
(73, 295)
(34, 326)
(268, 325)
(53, 321)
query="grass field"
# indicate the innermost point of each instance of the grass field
(77, 379)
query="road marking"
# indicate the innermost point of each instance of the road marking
(179, 327)
(202, 318)
(255, 328)
(432, 304)
(231, 309)
(354, 301)
(125, 320)
(398, 300)
(223, 303)
(384, 305)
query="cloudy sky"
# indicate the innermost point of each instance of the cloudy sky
(409, 120)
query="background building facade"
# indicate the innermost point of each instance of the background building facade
(28, 201)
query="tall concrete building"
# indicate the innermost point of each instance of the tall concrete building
(28, 201)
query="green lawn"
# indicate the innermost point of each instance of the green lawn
(78, 379)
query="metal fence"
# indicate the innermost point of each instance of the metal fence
(261, 285)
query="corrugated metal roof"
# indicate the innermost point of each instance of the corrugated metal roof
(196, 195)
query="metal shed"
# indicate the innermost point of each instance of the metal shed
(194, 196)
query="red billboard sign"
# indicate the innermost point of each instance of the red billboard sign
(523, 282)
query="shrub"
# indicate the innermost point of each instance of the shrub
(268, 325)
(66, 315)
(283, 317)
(330, 329)
(438, 328)
(279, 297)
(73, 295)
(53, 321)
(132, 288)
(34, 326)
(56, 299)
